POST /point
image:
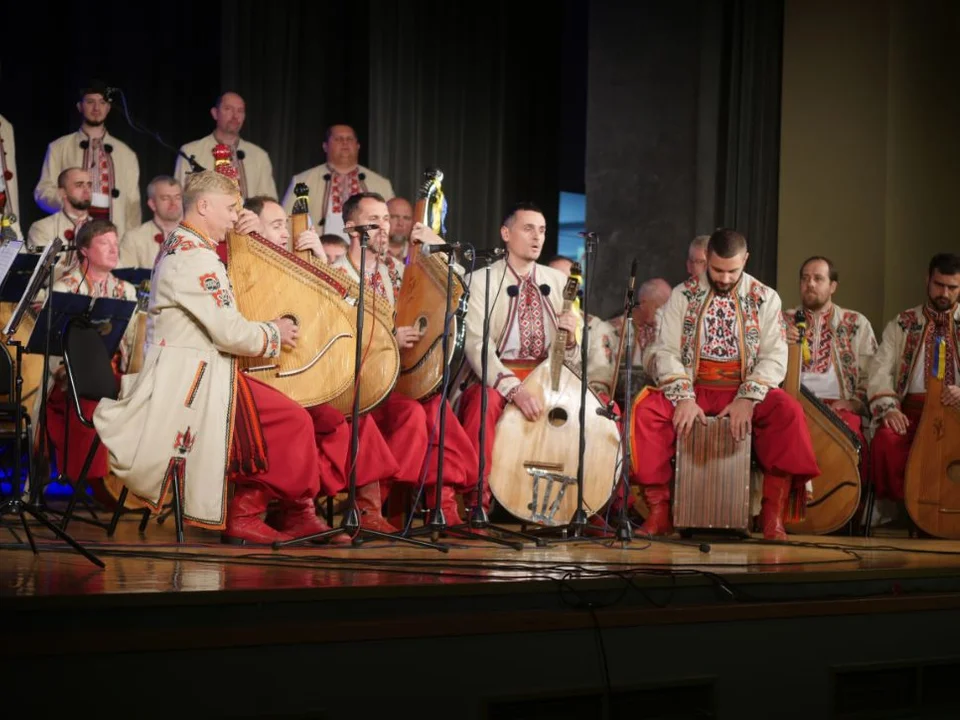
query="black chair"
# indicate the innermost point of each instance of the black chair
(90, 377)
(8, 415)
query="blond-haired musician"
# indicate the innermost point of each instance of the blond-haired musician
(190, 406)
(722, 351)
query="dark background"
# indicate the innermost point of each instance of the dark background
(666, 113)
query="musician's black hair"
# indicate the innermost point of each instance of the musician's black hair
(831, 268)
(726, 243)
(219, 99)
(331, 239)
(329, 130)
(256, 203)
(353, 203)
(96, 87)
(518, 207)
(945, 264)
(558, 258)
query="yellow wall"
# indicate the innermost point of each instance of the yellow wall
(870, 151)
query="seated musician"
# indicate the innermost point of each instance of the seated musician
(722, 351)
(375, 463)
(97, 255)
(190, 408)
(901, 366)
(407, 425)
(838, 346)
(525, 314)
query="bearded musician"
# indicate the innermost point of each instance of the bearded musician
(898, 375)
(409, 426)
(526, 311)
(838, 346)
(189, 408)
(722, 351)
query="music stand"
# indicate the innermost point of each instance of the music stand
(43, 271)
(133, 275)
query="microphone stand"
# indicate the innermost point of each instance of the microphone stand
(350, 524)
(478, 519)
(195, 167)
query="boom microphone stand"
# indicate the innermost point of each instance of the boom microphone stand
(351, 515)
(195, 167)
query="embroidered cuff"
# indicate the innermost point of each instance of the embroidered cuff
(271, 344)
(512, 392)
(882, 404)
(751, 390)
(677, 390)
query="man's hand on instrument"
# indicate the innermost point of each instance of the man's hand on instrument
(424, 235)
(848, 405)
(247, 222)
(740, 412)
(289, 332)
(951, 395)
(793, 335)
(896, 421)
(569, 321)
(407, 336)
(309, 240)
(686, 414)
(527, 404)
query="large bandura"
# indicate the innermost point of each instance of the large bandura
(836, 491)
(421, 304)
(271, 282)
(931, 484)
(534, 464)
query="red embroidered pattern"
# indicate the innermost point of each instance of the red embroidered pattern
(938, 326)
(720, 330)
(342, 186)
(820, 337)
(533, 336)
(100, 164)
(911, 325)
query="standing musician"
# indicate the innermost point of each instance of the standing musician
(337, 179)
(408, 426)
(8, 174)
(838, 346)
(898, 375)
(190, 409)
(113, 166)
(525, 315)
(722, 351)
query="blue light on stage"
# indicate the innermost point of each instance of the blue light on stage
(572, 220)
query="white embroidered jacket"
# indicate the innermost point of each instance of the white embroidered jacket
(255, 169)
(675, 355)
(893, 364)
(848, 350)
(139, 247)
(182, 403)
(314, 179)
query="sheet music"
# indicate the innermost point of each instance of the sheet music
(46, 262)
(8, 253)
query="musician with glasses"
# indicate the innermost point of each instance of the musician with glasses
(722, 351)
(190, 408)
(901, 366)
(409, 426)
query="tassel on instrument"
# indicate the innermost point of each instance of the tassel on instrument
(940, 358)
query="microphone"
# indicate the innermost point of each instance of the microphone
(362, 228)
(479, 255)
(801, 321)
(110, 93)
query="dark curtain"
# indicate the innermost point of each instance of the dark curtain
(165, 59)
(300, 66)
(474, 93)
(749, 143)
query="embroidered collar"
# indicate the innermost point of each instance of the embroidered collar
(208, 243)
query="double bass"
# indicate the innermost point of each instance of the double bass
(271, 282)
(836, 492)
(422, 303)
(931, 484)
(534, 464)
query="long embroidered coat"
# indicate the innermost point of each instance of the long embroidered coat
(255, 171)
(675, 355)
(503, 317)
(181, 405)
(122, 185)
(893, 365)
(845, 343)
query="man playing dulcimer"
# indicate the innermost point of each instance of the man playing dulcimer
(722, 351)
(898, 376)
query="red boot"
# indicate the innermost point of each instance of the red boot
(658, 521)
(776, 491)
(448, 499)
(298, 518)
(370, 505)
(244, 526)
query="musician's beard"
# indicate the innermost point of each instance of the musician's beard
(80, 205)
(941, 304)
(814, 303)
(721, 288)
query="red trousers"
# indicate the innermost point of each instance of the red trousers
(889, 453)
(470, 420)
(781, 441)
(72, 448)
(332, 435)
(855, 423)
(289, 439)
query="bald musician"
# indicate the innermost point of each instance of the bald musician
(74, 188)
(722, 351)
(172, 412)
(254, 169)
(113, 166)
(139, 247)
(340, 177)
(897, 387)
